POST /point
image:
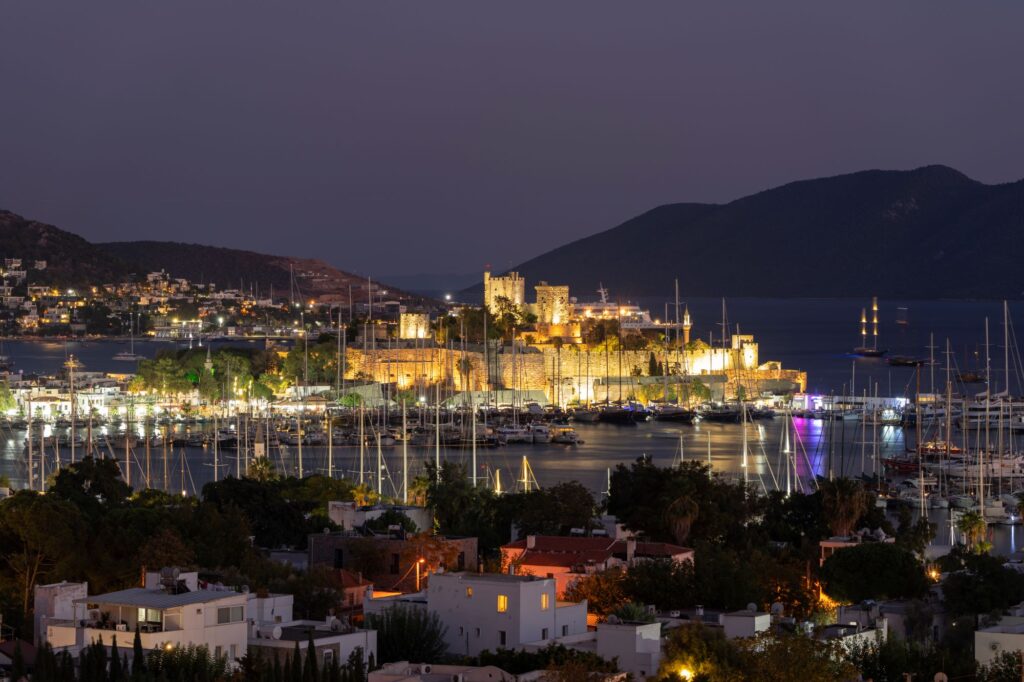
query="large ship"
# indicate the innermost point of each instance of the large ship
(864, 349)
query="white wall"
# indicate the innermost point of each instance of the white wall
(55, 602)
(637, 647)
(274, 608)
(990, 643)
(474, 622)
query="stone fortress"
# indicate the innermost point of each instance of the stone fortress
(556, 354)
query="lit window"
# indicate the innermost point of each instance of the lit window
(502, 603)
(545, 601)
(469, 591)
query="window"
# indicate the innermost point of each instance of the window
(460, 631)
(469, 592)
(462, 561)
(328, 656)
(501, 637)
(234, 652)
(543, 633)
(148, 615)
(545, 602)
(565, 631)
(502, 603)
(478, 632)
(218, 651)
(339, 558)
(230, 614)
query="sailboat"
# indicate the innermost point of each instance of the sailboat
(130, 355)
(864, 350)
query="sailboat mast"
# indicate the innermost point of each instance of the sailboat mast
(988, 403)
(330, 445)
(380, 467)
(405, 459)
(743, 414)
(679, 331)
(31, 470)
(362, 447)
(1006, 348)
(472, 417)
(437, 428)
(874, 322)
(216, 467)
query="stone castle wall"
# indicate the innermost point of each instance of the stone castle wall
(564, 375)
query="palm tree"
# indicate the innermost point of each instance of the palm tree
(972, 525)
(363, 495)
(681, 514)
(843, 502)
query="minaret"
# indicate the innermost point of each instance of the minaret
(686, 325)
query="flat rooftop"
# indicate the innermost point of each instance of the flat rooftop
(157, 599)
(491, 577)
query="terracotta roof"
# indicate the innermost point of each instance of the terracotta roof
(350, 579)
(562, 543)
(558, 550)
(28, 652)
(659, 549)
(565, 559)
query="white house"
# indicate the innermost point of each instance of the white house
(492, 610)
(746, 623)
(989, 642)
(56, 602)
(273, 632)
(171, 611)
(349, 516)
(636, 646)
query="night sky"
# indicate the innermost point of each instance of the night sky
(440, 136)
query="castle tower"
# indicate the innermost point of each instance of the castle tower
(510, 286)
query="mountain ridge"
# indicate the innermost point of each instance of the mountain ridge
(74, 261)
(930, 232)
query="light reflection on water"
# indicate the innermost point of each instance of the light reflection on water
(604, 447)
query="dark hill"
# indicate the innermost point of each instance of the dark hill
(70, 260)
(73, 261)
(926, 233)
(226, 268)
(234, 268)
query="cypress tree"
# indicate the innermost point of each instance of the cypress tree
(46, 665)
(309, 671)
(116, 672)
(277, 677)
(66, 667)
(335, 671)
(138, 657)
(17, 663)
(296, 667)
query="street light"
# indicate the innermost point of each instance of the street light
(419, 562)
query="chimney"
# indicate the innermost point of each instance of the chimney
(630, 550)
(531, 541)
